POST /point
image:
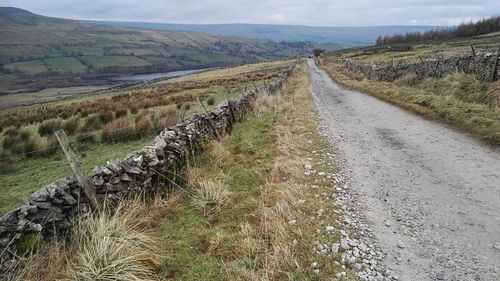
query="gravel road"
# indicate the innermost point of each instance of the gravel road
(431, 195)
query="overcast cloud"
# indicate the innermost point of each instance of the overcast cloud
(311, 12)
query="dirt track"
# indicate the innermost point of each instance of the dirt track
(433, 191)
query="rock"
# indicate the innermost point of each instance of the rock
(341, 275)
(496, 245)
(335, 248)
(308, 167)
(301, 202)
(353, 243)
(401, 245)
(344, 245)
(440, 276)
(125, 177)
(388, 223)
(292, 222)
(315, 264)
(42, 205)
(330, 229)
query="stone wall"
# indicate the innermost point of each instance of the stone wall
(50, 210)
(480, 65)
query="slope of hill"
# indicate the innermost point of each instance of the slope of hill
(34, 46)
(341, 36)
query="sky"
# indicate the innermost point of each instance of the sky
(303, 12)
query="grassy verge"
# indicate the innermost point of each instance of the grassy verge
(458, 100)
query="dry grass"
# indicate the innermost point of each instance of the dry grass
(210, 196)
(112, 245)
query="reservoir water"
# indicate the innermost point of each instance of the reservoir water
(156, 75)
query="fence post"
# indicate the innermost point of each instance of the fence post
(208, 119)
(226, 91)
(495, 66)
(75, 166)
(473, 50)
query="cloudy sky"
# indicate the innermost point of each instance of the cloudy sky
(305, 12)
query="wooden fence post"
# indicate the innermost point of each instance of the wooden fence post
(75, 166)
(495, 66)
(228, 100)
(209, 121)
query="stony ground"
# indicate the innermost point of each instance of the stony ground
(419, 201)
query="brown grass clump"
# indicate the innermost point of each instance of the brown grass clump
(71, 126)
(49, 127)
(105, 116)
(167, 118)
(120, 129)
(120, 113)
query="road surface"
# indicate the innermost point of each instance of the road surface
(430, 189)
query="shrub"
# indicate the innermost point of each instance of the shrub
(120, 129)
(210, 196)
(134, 110)
(49, 127)
(70, 126)
(121, 113)
(211, 101)
(187, 106)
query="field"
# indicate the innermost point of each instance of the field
(108, 124)
(459, 100)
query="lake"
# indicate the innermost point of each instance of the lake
(156, 75)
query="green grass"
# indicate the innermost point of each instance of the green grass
(30, 67)
(118, 61)
(65, 65)
(187, 231)
(31, 174)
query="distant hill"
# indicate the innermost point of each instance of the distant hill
(341, 36)
(34, 46)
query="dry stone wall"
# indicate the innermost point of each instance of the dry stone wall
(480, 65)
(50, 210)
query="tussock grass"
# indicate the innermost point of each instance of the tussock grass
(115, 244)
(211, 196)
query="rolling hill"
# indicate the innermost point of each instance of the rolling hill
(339, 36)
(36, 47)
